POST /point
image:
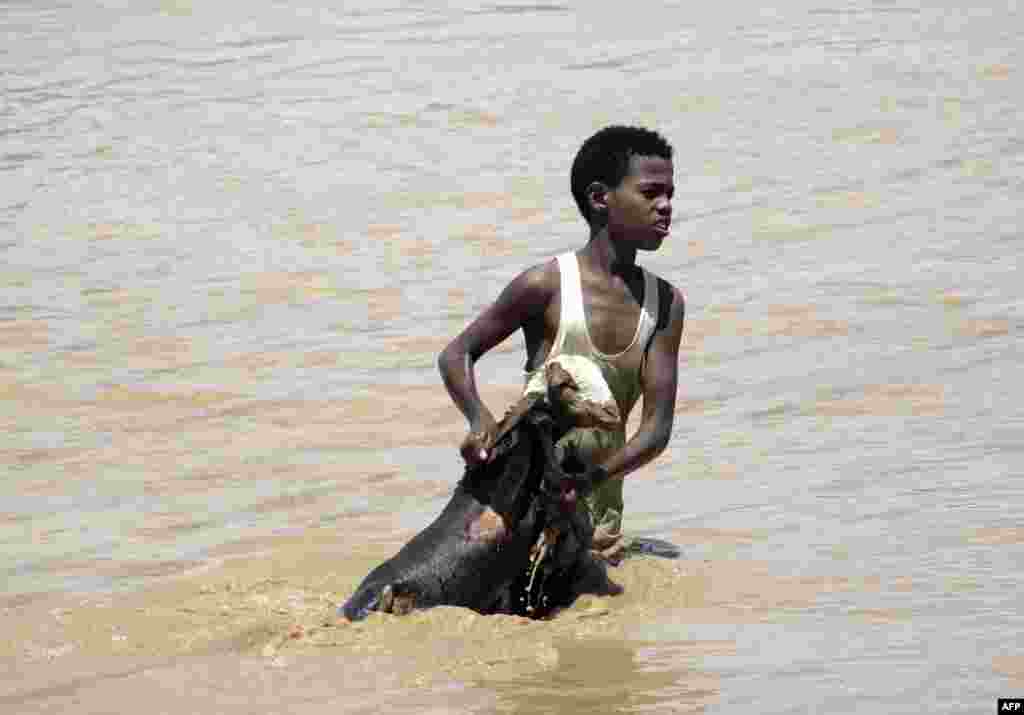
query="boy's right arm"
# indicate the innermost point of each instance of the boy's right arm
(522, 301)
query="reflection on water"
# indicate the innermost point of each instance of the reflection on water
(610, 676)
(235, 238)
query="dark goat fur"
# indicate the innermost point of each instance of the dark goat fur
(522, 491)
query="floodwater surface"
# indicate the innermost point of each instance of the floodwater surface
(234, 237)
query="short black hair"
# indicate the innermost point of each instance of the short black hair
(605, 157)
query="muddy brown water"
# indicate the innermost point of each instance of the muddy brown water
(235, 235)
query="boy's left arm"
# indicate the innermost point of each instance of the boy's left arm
(660, 377)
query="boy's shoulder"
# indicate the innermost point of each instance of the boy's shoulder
(541, 277)
(671, 300)
(530, 291)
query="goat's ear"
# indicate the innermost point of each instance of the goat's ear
(557, 377)
(516, 413)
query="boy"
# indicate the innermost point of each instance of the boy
(599, 304)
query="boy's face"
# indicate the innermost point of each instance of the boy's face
(640, 208)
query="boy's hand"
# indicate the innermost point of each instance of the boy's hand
(476, 447)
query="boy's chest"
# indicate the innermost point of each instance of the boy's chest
(612, 324)
(611, 318)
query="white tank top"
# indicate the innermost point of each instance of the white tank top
(575, 350)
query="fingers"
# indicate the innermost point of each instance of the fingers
(476, 457)
(472, 455)
(476, 448)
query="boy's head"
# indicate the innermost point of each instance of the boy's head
(605, 158)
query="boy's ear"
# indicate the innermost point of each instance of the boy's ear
(597, 197)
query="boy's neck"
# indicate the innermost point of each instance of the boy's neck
(607, 255)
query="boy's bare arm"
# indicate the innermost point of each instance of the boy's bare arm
(660, 378)
(522, 300)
